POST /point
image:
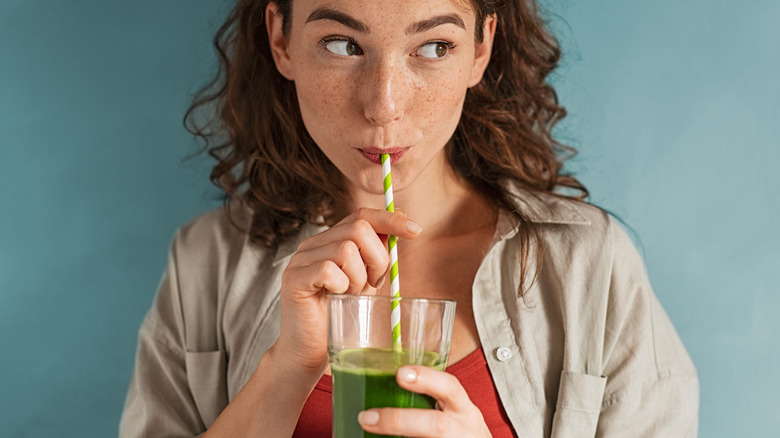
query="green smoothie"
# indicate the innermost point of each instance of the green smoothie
(365, 378)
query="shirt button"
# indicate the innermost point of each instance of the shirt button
(503, 354)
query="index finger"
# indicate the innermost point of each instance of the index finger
(368, 229)
(385, 222)
(382, 223)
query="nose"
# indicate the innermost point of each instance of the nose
(384, 91)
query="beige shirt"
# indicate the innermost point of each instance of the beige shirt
(586, 352)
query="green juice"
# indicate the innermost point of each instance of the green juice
(365, 378)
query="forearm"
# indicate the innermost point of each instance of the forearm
(270, 403)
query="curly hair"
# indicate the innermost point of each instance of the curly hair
(267, 161)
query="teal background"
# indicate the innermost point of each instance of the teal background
(671, 104)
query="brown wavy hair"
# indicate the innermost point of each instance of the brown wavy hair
(267, 161)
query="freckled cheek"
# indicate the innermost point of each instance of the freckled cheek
(442, 104)
(323, 101)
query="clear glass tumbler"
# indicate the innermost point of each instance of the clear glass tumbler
(364, 359)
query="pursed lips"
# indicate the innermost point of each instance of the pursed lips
(373, 154)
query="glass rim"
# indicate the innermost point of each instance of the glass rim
(345, 296)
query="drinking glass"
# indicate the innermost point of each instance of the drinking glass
(364, 359)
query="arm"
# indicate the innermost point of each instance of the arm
(250, 413)
(661, 403)
(348, 258)
(174, 392)
(158, 399)
(652, 388)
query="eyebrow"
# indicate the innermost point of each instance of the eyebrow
(357, 25)
(340, 17)
(422, 26)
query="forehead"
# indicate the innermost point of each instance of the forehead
(378, 10)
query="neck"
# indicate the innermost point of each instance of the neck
(439, 200)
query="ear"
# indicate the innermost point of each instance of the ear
(274, 24)
(483, 50)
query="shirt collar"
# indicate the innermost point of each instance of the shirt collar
(537, 208)
(547, 208)
(533, 207)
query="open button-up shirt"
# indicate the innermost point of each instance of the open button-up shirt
(586, 351)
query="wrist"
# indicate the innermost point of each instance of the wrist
(290, 360)
(285, 364)
(271, 401)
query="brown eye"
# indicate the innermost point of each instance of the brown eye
(352, 48)
(441, 49)
(342, 47)
(435, 49)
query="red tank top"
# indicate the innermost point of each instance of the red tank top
(472, 371)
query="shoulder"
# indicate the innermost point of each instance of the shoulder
(586, 259)
(214, 245)
(603, 231)
(215, 236)
(598, 249)
(568, 226)
(210, 229)
(207, 249)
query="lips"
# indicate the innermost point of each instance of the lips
(373, 154)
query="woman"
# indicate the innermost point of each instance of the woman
(556, 319)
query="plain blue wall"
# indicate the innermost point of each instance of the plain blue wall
(672, 105)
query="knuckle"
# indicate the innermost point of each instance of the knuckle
(384, 258)
(347, 249)
(304, 245)
(295, 260)
(362, 213)
(290, 275)
(362, 226)
(450, 394)
(392, 419)
(398, 220)
(439, 425)
(360, 278)
(286, 275)
(452, 388)
(325, 270)
(452, 381)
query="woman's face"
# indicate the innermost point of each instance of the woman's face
(381, 76)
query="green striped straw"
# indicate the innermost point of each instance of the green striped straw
(395, 315)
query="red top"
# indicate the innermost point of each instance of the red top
(472, 371)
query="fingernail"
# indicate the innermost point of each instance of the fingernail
(407, 374)
(381, 282)
(368, 417)
(412, 227)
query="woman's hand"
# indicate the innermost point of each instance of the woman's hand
(350, 257)
(458, 415)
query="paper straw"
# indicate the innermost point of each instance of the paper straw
(395, 315)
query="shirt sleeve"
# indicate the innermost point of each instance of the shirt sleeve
(652, 389)
(159, 402)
